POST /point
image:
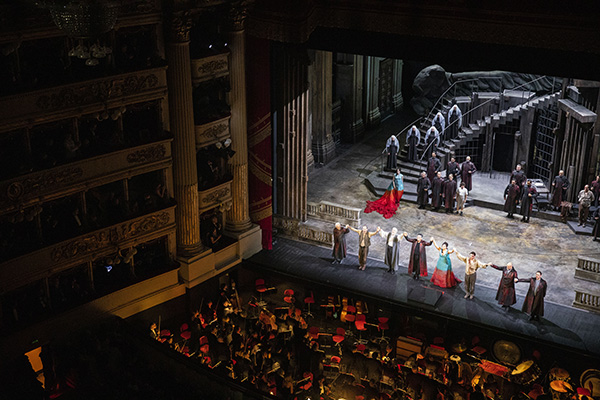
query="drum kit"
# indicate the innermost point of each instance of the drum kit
(525, 373)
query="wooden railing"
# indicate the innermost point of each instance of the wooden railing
(96, 95)
(587, 301)
(210, 67)
(588, 269)
(212, 132)
(27, 190)
(88, 247)
(215, 197)
(332, 212)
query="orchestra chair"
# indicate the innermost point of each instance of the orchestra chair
(184, 331)
(359, 322)
(288, 296)
(313, 332)
(383, 326)
(165, 334)
(350, 315)
(306, 381)
(204, 345)
(308, 301)
(340, 335)
(260, 287)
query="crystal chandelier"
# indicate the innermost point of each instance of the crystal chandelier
(84, 20)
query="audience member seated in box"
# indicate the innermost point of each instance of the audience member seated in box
(215, 234)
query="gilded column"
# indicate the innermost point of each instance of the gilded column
(181, 118)
(238, 217)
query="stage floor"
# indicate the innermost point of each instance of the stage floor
(549, 246)
(561, 325)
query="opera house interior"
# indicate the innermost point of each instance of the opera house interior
(171, 172)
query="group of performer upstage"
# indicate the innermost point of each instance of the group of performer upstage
(444, 192)
(443, 276)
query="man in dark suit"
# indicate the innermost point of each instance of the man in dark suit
(534, 301)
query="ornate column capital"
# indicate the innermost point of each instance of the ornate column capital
(179, 24)
(237, 14)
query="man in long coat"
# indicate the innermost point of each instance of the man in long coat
(449, 193)
(534, 301)
(511, 198)
(417, 264)
(596, 228)
(559, 189)
(518, 175)
(437, 190)
(506, 288)
(392, 249)
(452, 168)
(423, 186)
(467, 169)
(528, 193)
(339, 243)
(433, 166)
(413, 137)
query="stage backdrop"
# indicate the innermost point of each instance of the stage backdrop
(258, 95)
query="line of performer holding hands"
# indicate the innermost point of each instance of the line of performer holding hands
(443, 276)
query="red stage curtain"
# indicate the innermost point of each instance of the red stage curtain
(258, 100)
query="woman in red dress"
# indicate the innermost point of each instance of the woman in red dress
(387, 204)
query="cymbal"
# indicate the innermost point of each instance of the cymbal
(561, 386)
(459, 347)
(524, 366)
(506, 352)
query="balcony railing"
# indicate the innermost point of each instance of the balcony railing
(39, 264)
(296, 229)
(217, 196)
(28, 190)
(332, 212)
(96, 95)
(587, 301)
(588, 269)
(212, 132)
(204, 69)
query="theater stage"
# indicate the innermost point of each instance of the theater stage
(544, 244)
(562, 325)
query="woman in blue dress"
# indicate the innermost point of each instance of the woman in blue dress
(388, 203)
(443, 275)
